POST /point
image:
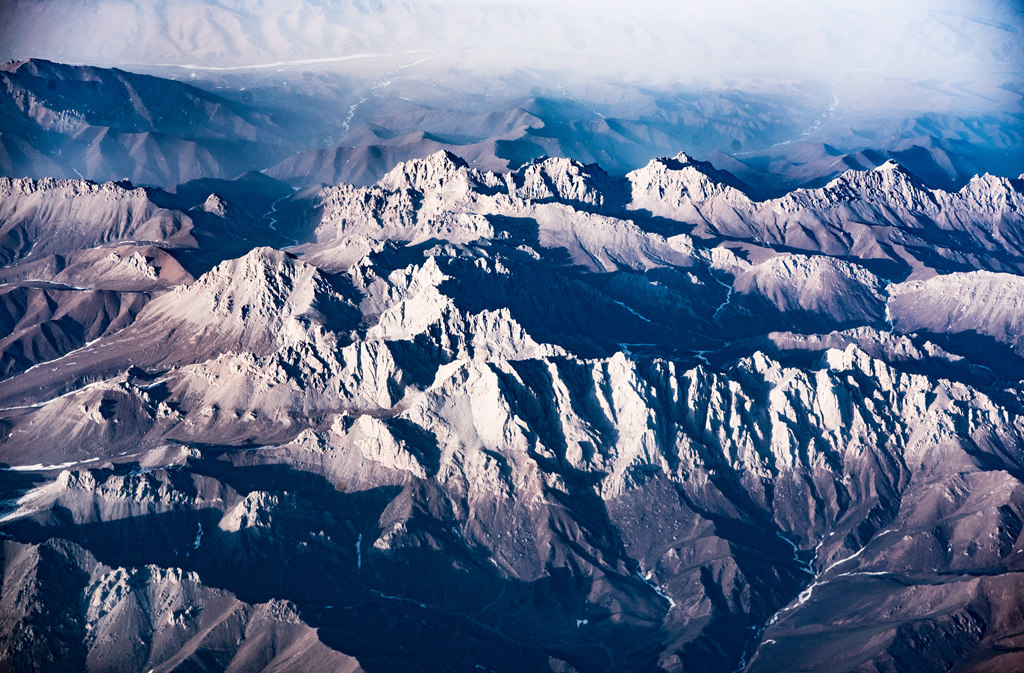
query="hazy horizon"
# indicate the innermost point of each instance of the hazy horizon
(795, 91)
(654, 41)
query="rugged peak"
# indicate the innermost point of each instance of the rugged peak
(263, 261)
(988, 178)
(991, 184)
(257, 302)
(889, 165)
(12, 65)
(561, 179)
(558, 163)
(264, 280)
(683, 164)
(888, 175)
(40, 67)
(663, 165)
(58, 216)
(684, 158)
(215, 205)
(665, 185)
(29, 64)
(446, 157)
(70, 186)
(430, 173)
(898, 171)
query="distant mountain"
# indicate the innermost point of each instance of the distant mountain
(774, 141)
(511, 131)
(944, 150)
(311, 129)
(107, 124)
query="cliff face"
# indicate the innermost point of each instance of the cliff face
(540, 420)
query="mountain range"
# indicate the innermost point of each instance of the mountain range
(310, 128)
(547, 417)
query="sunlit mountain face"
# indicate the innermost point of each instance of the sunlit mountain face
(511, 336)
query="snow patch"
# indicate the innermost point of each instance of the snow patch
(40, 467)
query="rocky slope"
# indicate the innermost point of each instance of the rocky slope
(539, 420)
(70, 121)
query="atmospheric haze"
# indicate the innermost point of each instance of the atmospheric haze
(652, 39)
(794, 91)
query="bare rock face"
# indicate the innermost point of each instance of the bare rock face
(884, 213)
(50, 216)
(541, 420)
(146, 618)
(980, 302)
(266, 287)
(817, 294)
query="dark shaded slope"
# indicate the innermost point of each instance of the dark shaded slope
(107, 124)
